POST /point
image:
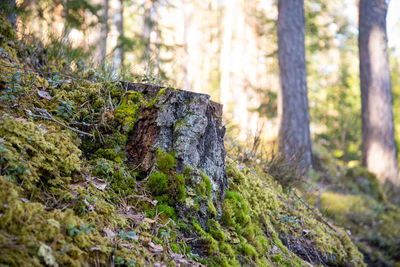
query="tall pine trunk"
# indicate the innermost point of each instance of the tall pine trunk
(10, 8)
(98, 37)
(379, 149)
(147, 28)
(118, 21)
(294, 133)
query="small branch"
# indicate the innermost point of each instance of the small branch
(44, 114)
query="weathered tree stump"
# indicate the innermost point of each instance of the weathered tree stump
(186, 123)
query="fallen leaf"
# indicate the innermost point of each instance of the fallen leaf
(155, 248)
(110, 233)
(274, 250)
(44, 94)
(98, 183)
(153, 202)
(88, 205)
(148, 220)
(134, 217)
(306, 232)
(24, 200)
(42, 128)
(179, 258)
(126, 245)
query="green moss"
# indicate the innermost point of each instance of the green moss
(165, 209)
(375, 223)
(30, 157)
(158, 183)
(10, 43)
(167, 186)
(165, 161)
(249, 250)
(204, 187)
(127, 111)
(359, 180)
(155, 100)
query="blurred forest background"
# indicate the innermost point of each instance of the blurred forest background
(227, 49)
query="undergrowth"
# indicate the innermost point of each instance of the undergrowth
(69, 197)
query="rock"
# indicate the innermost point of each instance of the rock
(186, 123)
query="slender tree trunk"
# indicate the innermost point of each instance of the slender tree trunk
(225, 58)
(118, 20)
(98, 37)
(379, 149)
(187, 14)
(104, 33)
(294, 133)
(147, 28)
(10, 8)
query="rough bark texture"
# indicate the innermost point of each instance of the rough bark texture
(98, 38)
(294, 133)
(118, 21)
(187, 123)
(379, 148)
(12, 15)
(147, 27)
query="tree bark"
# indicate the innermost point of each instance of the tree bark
(190, 125)
(147, 28)
(118, 21)
(294, 134)
(98, 38)
(10, 8)
(378, 149)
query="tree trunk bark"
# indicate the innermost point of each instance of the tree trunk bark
(147, 28)
(294, 133)
(118, 20)
(11, 11)
(378, 149)
(189, 125)
(98, 37)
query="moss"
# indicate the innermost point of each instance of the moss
(10, 44)
(84, 191)
(166, 185)
(158, 183)
(249, 250)
(30, 157)
(155, 100)
(165, 161)
(127, 111)
(359, 180)
(374, 222)
(166, 210)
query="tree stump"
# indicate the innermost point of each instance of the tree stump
(189, 125)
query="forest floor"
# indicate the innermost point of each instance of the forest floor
(68, 195)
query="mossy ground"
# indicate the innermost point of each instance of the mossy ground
(71, 199)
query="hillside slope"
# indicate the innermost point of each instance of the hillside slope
(69, 195)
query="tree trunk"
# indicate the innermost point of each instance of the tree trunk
(187, 14)
(147, 28)
(10, 8)
(379, 149)
(294, 133)
(98, 37)
(189, 125)
(118, 20)
(225, 57)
